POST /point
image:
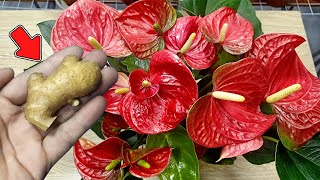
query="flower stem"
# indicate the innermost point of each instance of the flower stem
(270, 139)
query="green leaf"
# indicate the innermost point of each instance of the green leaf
(183, 162)
(301, 164)
(96, 128)
(116, 63)
(266, 108)
(131, 137)
(224, 57)
(265, 154)
(46, 29)
(200, 7)
(133, 63)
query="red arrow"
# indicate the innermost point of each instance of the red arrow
(28, 47)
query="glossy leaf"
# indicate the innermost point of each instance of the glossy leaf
(301, 164)
(112, 124)
(136, 25)
(112, 98)
(167, 108)
(201, 53)
(86, 18)
(265, 154)
(46, 29)
(91, 159)
(237, 31)
(233, 150)
(134, 63)
(183, 163)
(215, 123)
(298, 114)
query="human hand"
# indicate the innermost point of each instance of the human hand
(27, 152)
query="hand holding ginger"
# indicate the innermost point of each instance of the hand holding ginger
(25, 151)
(71, 80)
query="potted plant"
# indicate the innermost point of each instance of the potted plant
(207, 86)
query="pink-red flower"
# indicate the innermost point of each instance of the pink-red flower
(214, 122)
(91, 159)
(160, 98)
(157, 161)
(224, 26)
(143, 23)
(186, 40)
(298, 115)
(89, 24)
(114, 95)
(103, 161)
(112, 125)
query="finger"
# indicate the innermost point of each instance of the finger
(61, 139)
(18, 95)
(109, 78)
(97, 56)
(6, 75)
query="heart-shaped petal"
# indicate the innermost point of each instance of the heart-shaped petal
(167, 108)
(116, 93)
(298, 114)
(143, 23)
(233, 150)
(201, 53)
(226, 27)
(158, 159)
(91, 160)
(112, 124)
(214, 123)
(89, 18)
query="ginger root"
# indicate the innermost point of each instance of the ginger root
(71, 80)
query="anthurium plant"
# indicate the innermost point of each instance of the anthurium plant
(208, 85)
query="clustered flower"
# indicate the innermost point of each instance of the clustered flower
(158, 100)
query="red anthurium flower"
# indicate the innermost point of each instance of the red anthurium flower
(90, 25)
(146, 163)
(231, 113)
(143, 23)
(91, 160)
(226, 27)
(186, 40)
(159, 100)
(112, 124)
(297, 106)
(116, 93)
(233, 150)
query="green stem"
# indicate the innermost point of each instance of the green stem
(270, 139)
